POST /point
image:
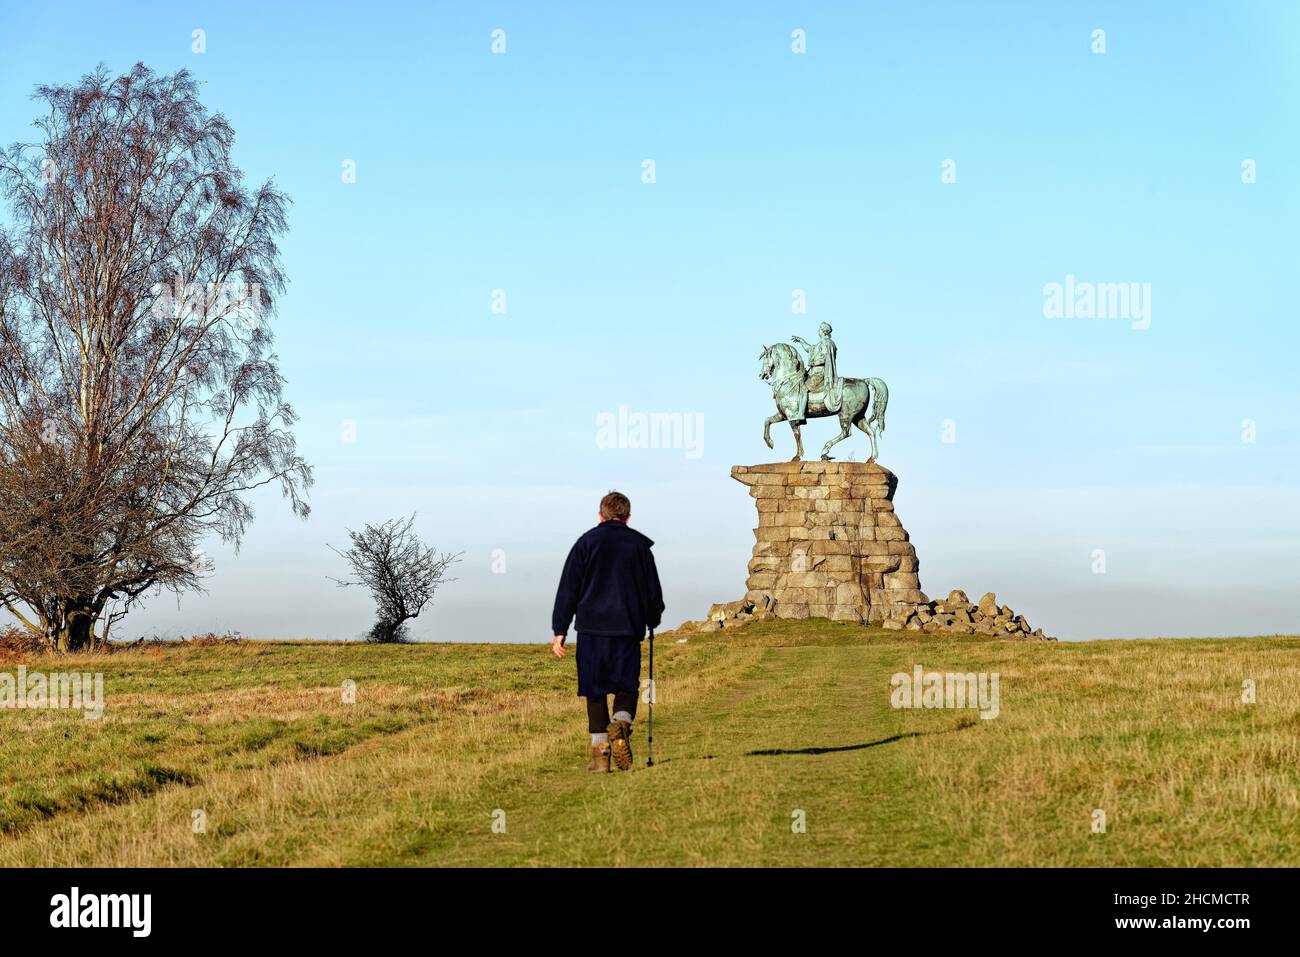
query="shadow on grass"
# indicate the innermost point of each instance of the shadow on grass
(770, 752)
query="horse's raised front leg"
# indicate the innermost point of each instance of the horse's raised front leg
(846, 426)
(798, 442)
(767, 427)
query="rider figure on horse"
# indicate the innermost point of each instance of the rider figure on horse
(822, 375)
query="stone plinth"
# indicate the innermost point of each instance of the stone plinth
(829, 544)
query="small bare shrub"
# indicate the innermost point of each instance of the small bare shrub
(401, 572)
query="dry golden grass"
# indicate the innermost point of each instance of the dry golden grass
(1153, 733)
(754, 728)
(370, 802)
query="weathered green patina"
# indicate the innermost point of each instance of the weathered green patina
(817, 391)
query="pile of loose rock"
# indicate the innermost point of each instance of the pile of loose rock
(954, 615)
(958, 615)
(731, 614)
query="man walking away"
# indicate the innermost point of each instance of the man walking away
(610, 582)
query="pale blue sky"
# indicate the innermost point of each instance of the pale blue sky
(775, 171)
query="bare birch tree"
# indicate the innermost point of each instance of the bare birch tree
(140, 400)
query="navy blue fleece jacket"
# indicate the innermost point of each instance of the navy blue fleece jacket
(610, 582)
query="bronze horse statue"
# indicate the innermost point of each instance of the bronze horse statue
(782, 367)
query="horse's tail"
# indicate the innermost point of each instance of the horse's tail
(880, 392)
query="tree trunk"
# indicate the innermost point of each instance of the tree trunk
(78, 630)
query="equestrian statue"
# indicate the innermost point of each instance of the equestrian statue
(816, 391)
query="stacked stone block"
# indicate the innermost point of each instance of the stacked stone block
(828, 544)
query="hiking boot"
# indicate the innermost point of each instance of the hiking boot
(620, 744)
(599, 758)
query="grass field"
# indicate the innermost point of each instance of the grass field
(752, 727)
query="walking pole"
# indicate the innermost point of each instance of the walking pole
(650, 733)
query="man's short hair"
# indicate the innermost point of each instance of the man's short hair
(615, 505)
